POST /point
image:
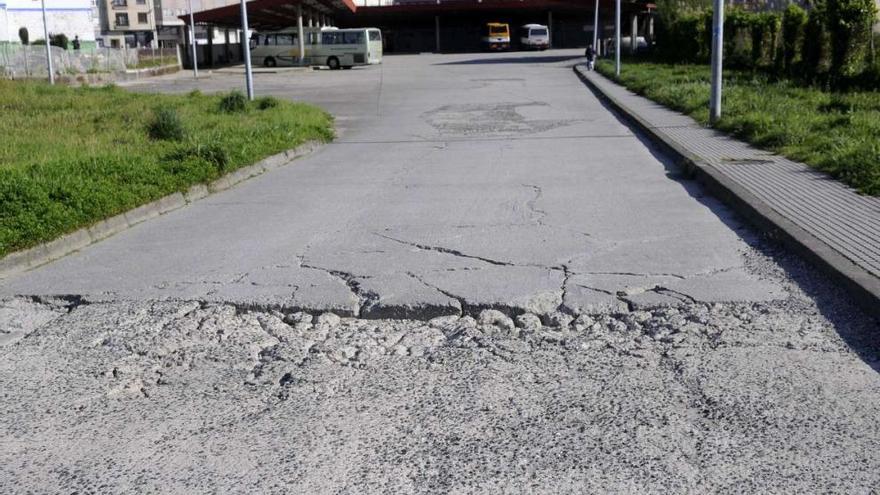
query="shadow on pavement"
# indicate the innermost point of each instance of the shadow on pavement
(528, 59)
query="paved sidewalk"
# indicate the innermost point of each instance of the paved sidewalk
(839, 226)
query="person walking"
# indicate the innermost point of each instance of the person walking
(591, 57)
(76, 43)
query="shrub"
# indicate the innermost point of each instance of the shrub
(23, 35)
(815, 48)
(212, 153)
(794, 20)
(267, 102)
(59, 40)
(233, 102)
(166, 125)
(849, 25)
(194, 93)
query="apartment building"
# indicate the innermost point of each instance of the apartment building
(69, 17)
(130, 23)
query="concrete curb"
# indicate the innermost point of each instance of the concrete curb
(858, 282)
(27, 259)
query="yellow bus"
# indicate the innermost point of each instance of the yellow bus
(497, 36)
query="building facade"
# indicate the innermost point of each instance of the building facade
(129, 23)
(73, 18)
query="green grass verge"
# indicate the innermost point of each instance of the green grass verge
(838, 133)
(71, 157)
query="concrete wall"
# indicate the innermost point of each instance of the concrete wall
(69, 17)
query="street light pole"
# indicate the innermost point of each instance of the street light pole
(617, 37)
(596, 28)
(717, 59)
(48, 46)
(246, 42)
(192, 40)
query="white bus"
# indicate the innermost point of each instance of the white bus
(331, 47)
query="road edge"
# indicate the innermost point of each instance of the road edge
(861, 285)
(28, 259)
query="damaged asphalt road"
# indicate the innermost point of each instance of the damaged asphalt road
(484, 285)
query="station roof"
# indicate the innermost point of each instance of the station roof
(268, 14)
(277, 14)
(461, 6)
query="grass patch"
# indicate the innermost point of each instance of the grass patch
(70, 157)
(833, 132)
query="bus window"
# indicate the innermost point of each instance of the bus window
(284, 39)
(269, 40)
(353, 38)
(375, 36)
(331, 38)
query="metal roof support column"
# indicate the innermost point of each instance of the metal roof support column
(596, 28)
(550, 27)
(634, 34)
(437, 33)
(300, 37)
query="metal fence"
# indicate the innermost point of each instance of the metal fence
(20, 61)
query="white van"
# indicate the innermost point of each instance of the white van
(534, 37)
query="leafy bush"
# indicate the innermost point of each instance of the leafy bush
(166, 125)
(59, 40)
(815, 49)
(794, 20)
(233, 102)
(267, 102)
(194, 93)
(211, 153)
(849, 25)
(23, 35)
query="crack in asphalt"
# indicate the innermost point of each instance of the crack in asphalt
(531, 204)
(444, 250)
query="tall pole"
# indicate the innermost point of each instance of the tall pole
(48, 46)
(717, 59)
(617, 37)
(596, 28)
(246, 42)
(192, 40)
(300, 34)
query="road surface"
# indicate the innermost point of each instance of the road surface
(532, 298)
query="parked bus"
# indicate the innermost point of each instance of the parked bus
(497, 36)
(534, 37)
(331, 47)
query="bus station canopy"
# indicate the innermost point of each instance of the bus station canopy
(269, 14)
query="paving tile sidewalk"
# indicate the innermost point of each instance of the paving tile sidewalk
(792, 194)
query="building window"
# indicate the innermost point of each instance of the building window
(141, 2)
(120, 3)
(122, 19)
(142, 19)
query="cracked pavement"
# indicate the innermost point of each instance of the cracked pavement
(486, 284)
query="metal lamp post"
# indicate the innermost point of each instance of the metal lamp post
(596, 28)
(192, 40)
(48, 46)
(617, 37)
(248, 73)
(717, 59)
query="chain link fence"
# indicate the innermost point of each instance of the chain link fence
(29, 61)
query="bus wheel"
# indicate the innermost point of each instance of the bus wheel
(333, 63)
(270, 62)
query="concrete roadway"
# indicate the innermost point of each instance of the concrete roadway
(457, 183)
(657, 345)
